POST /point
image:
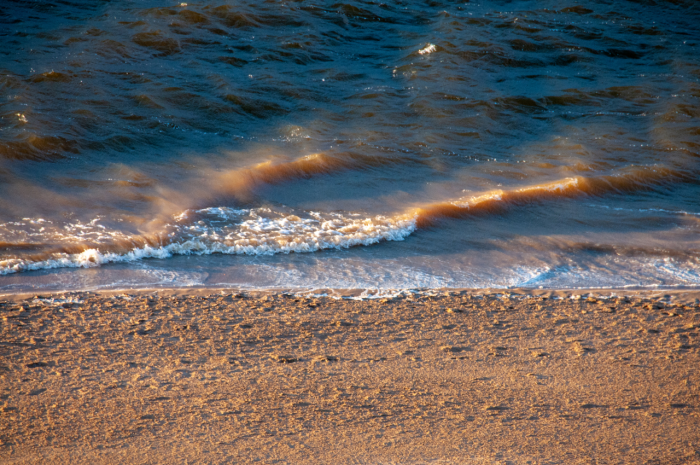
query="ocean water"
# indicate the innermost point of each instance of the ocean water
(357, 144)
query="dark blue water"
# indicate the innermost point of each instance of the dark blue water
(355, 144)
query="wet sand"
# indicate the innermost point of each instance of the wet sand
(458, 377)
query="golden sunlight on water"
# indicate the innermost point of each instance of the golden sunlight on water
(354, 144)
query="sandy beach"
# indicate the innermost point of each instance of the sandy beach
(209, 376)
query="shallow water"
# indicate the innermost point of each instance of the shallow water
(349, 145)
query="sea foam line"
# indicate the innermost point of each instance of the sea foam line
(271, 237)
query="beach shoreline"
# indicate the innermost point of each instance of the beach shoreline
(676, 294)
(331, 376)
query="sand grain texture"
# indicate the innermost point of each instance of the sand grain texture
(454, 378)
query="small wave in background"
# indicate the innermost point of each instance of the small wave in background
(357, 144)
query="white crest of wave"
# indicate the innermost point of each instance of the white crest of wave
(256, 236)
(430, 48)
(476, 200)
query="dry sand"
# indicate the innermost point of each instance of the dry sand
(454, 378)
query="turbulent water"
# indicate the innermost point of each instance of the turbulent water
(358, 144)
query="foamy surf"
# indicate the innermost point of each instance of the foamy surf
(259, 232)
(262, 231)
(428, 49)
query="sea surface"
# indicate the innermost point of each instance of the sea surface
(357, 144)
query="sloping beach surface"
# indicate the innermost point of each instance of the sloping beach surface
(436, 377)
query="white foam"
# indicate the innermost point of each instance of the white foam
(41, 231)
(222, 212)
(258, 235)
(475, 200)
(54, 301)
(430, 48)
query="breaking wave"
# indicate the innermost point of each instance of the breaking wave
(263, 231)
(252, 232)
